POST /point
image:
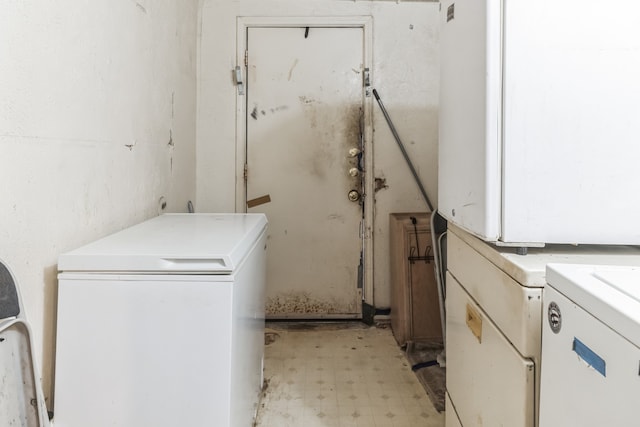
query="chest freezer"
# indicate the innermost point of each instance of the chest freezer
(162, 324)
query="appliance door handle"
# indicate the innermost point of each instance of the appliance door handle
(196, 264)
(474, 322)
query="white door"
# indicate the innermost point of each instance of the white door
(304, 116)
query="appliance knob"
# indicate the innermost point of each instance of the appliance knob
(555, 317)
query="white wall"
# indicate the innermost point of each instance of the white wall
(97, 124)
(405, 73)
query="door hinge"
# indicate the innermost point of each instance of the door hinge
(246, 171)
(246, 58)
(366, 81)
(239, 80)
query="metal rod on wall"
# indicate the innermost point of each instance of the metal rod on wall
(404, 152)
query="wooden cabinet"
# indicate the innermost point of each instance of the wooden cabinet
(415, 309)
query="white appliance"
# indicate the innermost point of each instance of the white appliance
(494, 326)
(161, 325)
(591, 346)
(539, 120)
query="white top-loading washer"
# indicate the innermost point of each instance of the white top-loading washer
(590, 346)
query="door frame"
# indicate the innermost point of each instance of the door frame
(364, 22)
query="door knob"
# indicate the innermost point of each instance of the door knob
(354, 195)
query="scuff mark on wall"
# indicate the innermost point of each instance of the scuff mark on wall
(254, 113)
(292, 68)
(306, 100)
(130, 146)
(141, 7)
(280, 108)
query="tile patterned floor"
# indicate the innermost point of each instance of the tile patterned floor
(337, 376)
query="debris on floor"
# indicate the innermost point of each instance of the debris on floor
(424, 357)
(340, 374)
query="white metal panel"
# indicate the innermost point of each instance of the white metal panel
(573, 393)
(488, 381)
(470, 116)
(172, 243)
(571, 122)
(608, 292)
(451, 417)
(143, 353)
(626, 281)
(247, 332)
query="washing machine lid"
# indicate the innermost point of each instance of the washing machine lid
(609, 293)
(172, 243)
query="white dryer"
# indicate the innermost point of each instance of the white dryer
(590, 346)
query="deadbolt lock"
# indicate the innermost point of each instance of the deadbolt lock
(354, 172)
(354, 152)
(354, 195)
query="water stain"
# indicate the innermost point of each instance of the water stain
(306, 100)
(380, 184)
(305, 303)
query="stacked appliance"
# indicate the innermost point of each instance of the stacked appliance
(539, 120)
(494, 316)
(538, 147)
